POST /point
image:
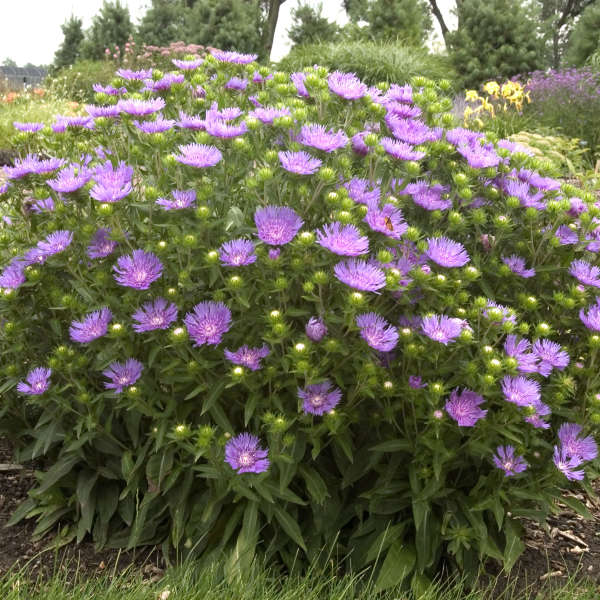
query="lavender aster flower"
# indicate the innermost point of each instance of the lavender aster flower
(55, 242)
(377, 332)
(32, 164)
(277, 225)
(416, 382)
(159, 125)
(550, 356)
(566, 236)
(301, 162)
(267, 114)
(187, 65)
(567, 465)
(446, 252)
(138, 270)
(182, 199)
(569, 435)
(43, 205)
(358, 143)
(400, 150)
(220, 128)
(70, 179)
(237, 253)
(108, 89)
(109, 111)
(592, 319)
(464, 407)
(518, 349)
(28, 127)
(233, 57)
(346, 85)
(112, 184)
(198, 155)
(164, 83)
(344, 240)
(158, 314)
(441, 328)
(319, 398)
(244, 454)
(237, 83)
(316, 329)
(360, 275)
(122, 375)
(387, 220)
(506, 460)
(135, 75)
(428, 197)
(318, 137)
(37, 382)
(13, 276)
(193, 122)
(101, 245)
(363, 191)
(140, 108)
(517, 265)
(208, 322)
(299, 81)
(248, 357)
(585, 272)
(521, 391)
(93, 326)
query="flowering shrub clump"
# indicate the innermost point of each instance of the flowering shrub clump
(272, 315)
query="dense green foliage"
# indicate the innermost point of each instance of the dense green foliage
(310, 26)
(75, 81)
(493, 41)
(371, 61)
(164, 22)
(69, 50)
(585, 37)
(406, 21)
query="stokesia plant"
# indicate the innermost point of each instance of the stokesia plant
(262, 317)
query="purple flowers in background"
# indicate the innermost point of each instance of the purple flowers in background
(573, 450)
(140, 108)
(233, 57)
(319, 398)
(344, 240)
(36, 382)
(517, 265)
(446, 252)
(159, 125)
(360, 275)
(346, 85)
(550, 355)
(181, 199)
(122, 375)
(93, 326)
(101, 245)
(318, 137)
(158, 314)
(316, 329)
(592, 319)
(70, 179)
(208, 322)
(138, 270)
(248, 357)
(32, 164)
(198, 155)
(377, 332)
(585, 272)
(428, 197)
(442, 329)
(12, 276)
(112, 184)
(55, 243)
(506, 460)
(237, 253)
(400, 150)
(28, 127)
(277, 225)
(301, 163)
(464, 408)
(267, 114)
(244, 454)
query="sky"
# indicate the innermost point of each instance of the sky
(31, 30)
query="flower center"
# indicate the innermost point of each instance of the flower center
(317, 400)
(245, 459)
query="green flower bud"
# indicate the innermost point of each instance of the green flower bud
(326, 174)
(385, 256)
(279, 329)
(133, 392)
(306, 238)
(281, 283)
(344, 216)
(594, 341)
(117, 330)
(494, 365)
(308, 287)
(413, 168)
(437, 388)
(412, 234)
(471, 273)
(104, 209)
(235, 282)
(356, 299)
(543, 329)
(264, 174)
(241, 144)
(252, 123)
(203, 212)
(212, 257)
(489, 379)
(320, 277)
(502, 222)
(333, 198)
(178, 335)
(487, 350)
(182, 431)
(238, 372)
(190, 241)
(171, 292)
(193, 366)
(331, 345)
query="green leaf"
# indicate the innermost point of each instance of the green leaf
(57, 471)
(392, 446)
(398, 564)
(315, 485)
(384, 540)
(87, 502)
(22, 512)
(290, 526)
(579, 507)
(514, 546)
(213, 396)
(243, 553)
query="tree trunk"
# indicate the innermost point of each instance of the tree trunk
(437, 13)
(271, 24)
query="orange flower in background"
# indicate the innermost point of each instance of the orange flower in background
(11, 97)
(40, 92)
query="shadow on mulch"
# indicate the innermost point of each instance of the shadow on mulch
(567, 546)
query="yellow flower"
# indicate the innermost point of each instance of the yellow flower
(492, 88)
(471, 96)
(487, 106)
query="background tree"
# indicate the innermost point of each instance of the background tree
(9, 62)
(494, 40)
(164, 22)
(270, 16)
(585, 36)
(111, 27)
(69, 50)
(309, 25)
(405, 20)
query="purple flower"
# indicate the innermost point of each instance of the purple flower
(507, 314)
(267, 114)
(159, 125)
(182, 199)
(135, 75)
(446, 252)
(138, 270)
(164, 83)
(592, 319)
(43, 205)
(237, 253)
(416, 382)
(299, 81)
(63, 122)
(274, 253)
(585, 272)
(318, 137)
(316, 329)
(344, 240)
(479, 156)
(112, 184)
(428, 197)
(569, 435)
(363, 191)
(319, 398)
(13, 276)
(108, 90)
(387, 220)
(109, 111)
(277, 225)
(521, 391)
(28, 127)
(140, 108)
(537, 421)
(187, 65)
(358, 143)
(92, 327)
(506, 460)
(377, 332)
(55, 242)
(400, 150)
(32, 164)
(70, 179)
(233, 57)
(464, 407)
(441, 328)
(301, 162)
(198, 155)
(194, 122)
(101, 245)
(360, 275)
(220, 128)
(566, 236)
(237, 83)
(346, 85)
(410, 131)
(208, 322)
(518, 349)
(122, 374)
(517, 265)
(38, 381)
(248, 357)
(567, 465)
(244, 454)
(154, 315)
(550, 356)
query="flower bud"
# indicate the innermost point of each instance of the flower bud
(212, 257)
(117, 330)
(133, 392)
(543, 329)
(203, 212)
(306, 238)
(178, 335)
(356, 299)
(308, 287)
(104, 209)
(281, 283)
(182, 431)
(320, 277)
(238, 372)
(326, 174)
